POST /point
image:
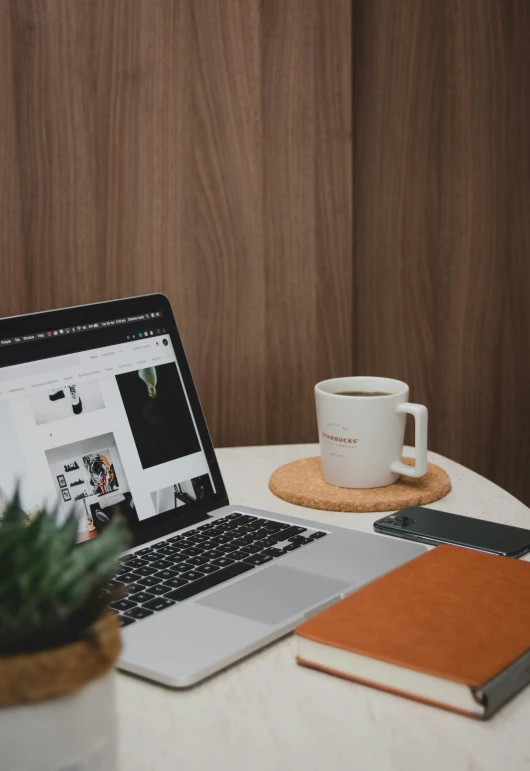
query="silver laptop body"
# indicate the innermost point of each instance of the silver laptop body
(98, 409)
(201, 635)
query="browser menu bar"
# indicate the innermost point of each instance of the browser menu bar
(52, 333)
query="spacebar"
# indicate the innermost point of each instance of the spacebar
(209, 581)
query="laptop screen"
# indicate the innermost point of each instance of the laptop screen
(97, 415)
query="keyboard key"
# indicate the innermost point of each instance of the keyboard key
(231, 526)
(259, 559)
(141, 597)
(191, 552)
(237, 522)
(292, 546)
(223, 562)
(176, 539)
(124, 621)
(274, 552)
(158, 589)
(149, 581)
(244, 520)
(137, 563)
(175, 559)
(237, 569)
(129, 577)
(318, 534)
(207, 526)
(284, 535)
(254, 549)
(198, 539)
(270, 542)
(252, 526)
(197, 561)
(142, 551)
(224, 539)
(132, 588)
(159, 603)
(155, 557)
(273, 527)
(169, 550)
(139, 612)
(165, 574)
(191, 575)
(174, 583)
(161, 564)
(114, 584)
(229, 517)
(214, 554)
(259, 534)
(230, 547)
(241, 532)
(123, 605)
(147, 571)
(299, 539)
(241, 554)
(207, 569)
(246, 539)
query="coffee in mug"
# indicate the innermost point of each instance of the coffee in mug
(361, 438)
(362, 393)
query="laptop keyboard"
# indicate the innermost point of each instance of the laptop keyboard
(173, 570)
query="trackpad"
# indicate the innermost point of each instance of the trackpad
(274, 595)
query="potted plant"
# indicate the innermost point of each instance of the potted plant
(58, 643)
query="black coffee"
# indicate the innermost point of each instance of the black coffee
(362, 393)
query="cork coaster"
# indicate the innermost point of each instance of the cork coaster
(301, 482)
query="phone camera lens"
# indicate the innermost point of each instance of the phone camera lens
(399, 519)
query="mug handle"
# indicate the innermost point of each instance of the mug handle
(420, 440)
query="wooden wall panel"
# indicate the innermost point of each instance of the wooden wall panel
(307, 176)
(441, 219)
(195, 147)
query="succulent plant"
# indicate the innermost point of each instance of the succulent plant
(51, 588)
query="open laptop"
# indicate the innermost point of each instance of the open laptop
(98, 408)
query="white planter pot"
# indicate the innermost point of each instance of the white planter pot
(71, 733)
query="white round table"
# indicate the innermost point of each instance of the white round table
(268, 714)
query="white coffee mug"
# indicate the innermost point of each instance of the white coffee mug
(361, 437)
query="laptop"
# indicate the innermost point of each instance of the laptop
(98, 409)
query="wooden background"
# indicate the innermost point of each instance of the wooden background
(442, 219)
(195, 147)
(321, 187)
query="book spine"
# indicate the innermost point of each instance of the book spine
(503, 686)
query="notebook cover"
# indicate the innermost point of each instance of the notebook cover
(452, 612)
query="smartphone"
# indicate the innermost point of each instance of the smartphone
(436, 527)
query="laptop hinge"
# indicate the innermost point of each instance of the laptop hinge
(174, 524)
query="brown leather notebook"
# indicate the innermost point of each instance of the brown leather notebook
(450, 628)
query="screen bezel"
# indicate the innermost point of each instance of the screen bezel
(160, 524)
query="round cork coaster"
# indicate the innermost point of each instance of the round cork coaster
(301, 482)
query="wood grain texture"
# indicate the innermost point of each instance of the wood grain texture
(442, 232)
(307, 131)
(199, 148)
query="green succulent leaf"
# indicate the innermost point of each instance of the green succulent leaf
(51, 588)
